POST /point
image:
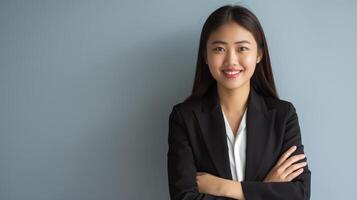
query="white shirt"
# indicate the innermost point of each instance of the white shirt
(237, 148)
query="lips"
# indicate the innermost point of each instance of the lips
(232, 72)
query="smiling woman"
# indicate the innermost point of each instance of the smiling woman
(233, 137)
(230, 45)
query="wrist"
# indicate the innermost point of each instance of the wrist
(225, 187)
(232, 189)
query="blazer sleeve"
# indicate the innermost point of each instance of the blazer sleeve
(298, 188)
(180, 163)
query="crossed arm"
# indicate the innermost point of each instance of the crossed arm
(286, 180)
(284, 171)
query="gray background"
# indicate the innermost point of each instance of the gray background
(86, 88)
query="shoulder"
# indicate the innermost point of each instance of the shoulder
(283, 107)
(184, 111)
(280, 104)
(187, 106)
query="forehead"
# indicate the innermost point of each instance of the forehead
(231, 32)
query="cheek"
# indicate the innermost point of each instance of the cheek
(215, 60)
(248, 62)
(215, 63)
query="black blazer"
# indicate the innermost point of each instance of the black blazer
(197, 142)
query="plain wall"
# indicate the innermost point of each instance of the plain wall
(81, 80)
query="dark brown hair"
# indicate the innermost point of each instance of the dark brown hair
(262, 80)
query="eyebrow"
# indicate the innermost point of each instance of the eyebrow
(222, 42)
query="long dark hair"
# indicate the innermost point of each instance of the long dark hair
(262, 80)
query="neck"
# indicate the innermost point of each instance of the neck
(234, 100)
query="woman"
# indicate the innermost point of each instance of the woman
(233, 138)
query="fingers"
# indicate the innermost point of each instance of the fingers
(286, 155)
(292, 160)
(286, 168)
(293, 175)
(293, 168)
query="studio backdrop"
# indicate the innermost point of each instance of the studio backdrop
(80, 80)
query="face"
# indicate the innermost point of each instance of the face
(232, 55)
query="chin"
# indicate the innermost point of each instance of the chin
(233, 84)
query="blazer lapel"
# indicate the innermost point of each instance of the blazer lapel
(213, 129)
(211, 122)
(259, 126)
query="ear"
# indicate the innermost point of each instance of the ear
(260, 55)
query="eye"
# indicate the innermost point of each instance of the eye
(243, 49)
(218, 49)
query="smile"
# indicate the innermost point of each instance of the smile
(231, 74)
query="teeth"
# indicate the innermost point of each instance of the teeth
(231, 72)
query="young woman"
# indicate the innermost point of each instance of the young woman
(233, 138)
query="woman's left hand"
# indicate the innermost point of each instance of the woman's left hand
(209, 184)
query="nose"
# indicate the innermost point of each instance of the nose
(231, 58)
